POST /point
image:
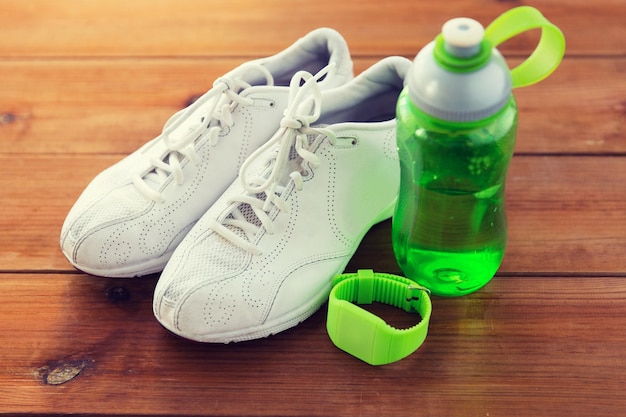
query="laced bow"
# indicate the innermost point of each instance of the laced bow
(304, 107)
(215, 109)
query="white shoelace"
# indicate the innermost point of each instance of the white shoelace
(264, 192)
(221, 100)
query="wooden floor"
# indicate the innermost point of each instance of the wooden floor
(84, 83)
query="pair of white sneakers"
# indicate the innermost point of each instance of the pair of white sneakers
(254, 197)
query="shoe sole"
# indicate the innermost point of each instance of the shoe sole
(132, 271)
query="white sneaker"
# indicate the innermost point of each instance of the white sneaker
(131, 217)
(262, 258)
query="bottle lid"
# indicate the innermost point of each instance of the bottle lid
(462, 37)
(461, 76)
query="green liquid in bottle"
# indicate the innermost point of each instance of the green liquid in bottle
(449, 228)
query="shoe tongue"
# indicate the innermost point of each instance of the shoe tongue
(190, 124)
(152, 178)
(293, 164)
(248, 213)
(200, 115)
(252, 73)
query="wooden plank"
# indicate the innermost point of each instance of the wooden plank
(244, 27)
(114, 106)
(37, 195)
(521, 346)
(566, 214)
(99, 106)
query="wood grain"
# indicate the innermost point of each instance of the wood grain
(242, 28)
(566, 214)
(114, 106)
(82, 84)
(522, 347)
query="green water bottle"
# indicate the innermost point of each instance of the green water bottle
(457, 123)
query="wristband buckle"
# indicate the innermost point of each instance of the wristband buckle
(365, 335)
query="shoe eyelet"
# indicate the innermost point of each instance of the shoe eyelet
(346, 142)
(264, 102)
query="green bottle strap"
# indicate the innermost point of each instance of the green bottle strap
(549, 51)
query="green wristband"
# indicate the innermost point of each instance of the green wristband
(366, 336)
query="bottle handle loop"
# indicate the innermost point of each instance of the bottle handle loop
(549, 51)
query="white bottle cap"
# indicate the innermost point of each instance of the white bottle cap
(462, 37)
